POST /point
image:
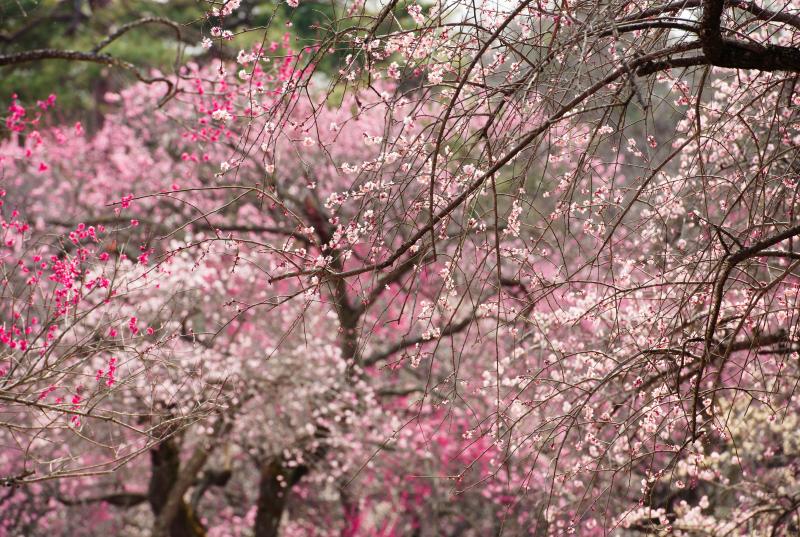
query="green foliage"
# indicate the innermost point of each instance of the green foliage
(79, 25)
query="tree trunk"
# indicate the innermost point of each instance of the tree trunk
(165, 464)
(274, 485)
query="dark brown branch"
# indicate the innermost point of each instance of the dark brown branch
(672, 63)
(30, 56)
(751, 7)
(759, 341)
(767, 15)
(122, 30)
(117, 499)
(404, 344)
(724, 52)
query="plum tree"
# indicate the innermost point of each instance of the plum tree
(521, 269)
